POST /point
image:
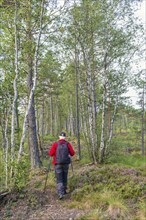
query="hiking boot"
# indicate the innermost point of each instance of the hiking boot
(60, 196)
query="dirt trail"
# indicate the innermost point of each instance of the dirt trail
(55, 209)
(36, 205)
(47, 207)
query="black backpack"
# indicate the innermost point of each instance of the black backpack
(62, 153)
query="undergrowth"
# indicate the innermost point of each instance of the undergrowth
(109, 192)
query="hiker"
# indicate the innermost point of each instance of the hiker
(61, 152)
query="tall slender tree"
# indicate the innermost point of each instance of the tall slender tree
(30, 112)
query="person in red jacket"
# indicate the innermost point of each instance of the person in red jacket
(61, 167)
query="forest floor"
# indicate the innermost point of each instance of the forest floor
(96, 192)
(49, 207)
(32, 203)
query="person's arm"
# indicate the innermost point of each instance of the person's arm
(52, 150)
(71, 150)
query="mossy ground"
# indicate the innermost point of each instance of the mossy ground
(115, 190)
(110, 191)
(97, 192)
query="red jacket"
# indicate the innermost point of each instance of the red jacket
(52, 151)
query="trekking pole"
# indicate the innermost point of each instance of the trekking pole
(49, 166)
(72, 167)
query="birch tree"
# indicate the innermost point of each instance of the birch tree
(143, 120)
(77, 100)
(35, 160)
(14, 106)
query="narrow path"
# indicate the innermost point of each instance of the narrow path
(41, 207)
(56, 209)
(36, 205)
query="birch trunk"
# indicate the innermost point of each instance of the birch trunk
(77, 103)
(83, 109)
(41, 129)
(51, 116)
(56, 118)
(102, 141)
(87, 63)
(6, 145)
(87, 53)
(14, 105)
(93, 85)
(112, 125)
(143, 122)
(71, 126)
(90, 110)
(3, 131)
(42, 119)
(36, 161)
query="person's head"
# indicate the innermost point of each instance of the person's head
(62, 135)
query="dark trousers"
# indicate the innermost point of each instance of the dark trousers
(61, 172)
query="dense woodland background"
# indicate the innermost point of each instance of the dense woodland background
(66, 65)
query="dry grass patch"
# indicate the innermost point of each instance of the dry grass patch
(117, 210)
(141, 214)
(108, 203)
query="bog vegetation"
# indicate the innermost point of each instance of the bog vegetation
(66, 65)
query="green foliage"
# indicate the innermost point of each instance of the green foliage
(2, 172)
(38, 184)
(107, 192)
(49, 138)
(105, 204)
(127, 182)
(129, 160)
(51, 183)
(85, 157)
(21, 176)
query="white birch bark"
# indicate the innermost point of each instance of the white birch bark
(87, 63)
(84, 117)
(6, 146)
(51, 115)
(83, 109)
(33, 87)
(93, 98)
(77, 100)
(14, 105)
(143, 122)
(42, 119)
(55, 119)
(111, 125)
(90, 109)
(102, 140)
(71, 126)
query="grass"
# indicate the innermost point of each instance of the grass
(110, 191)
(141, 210)
(134, 161)
(95, 214)
(102, 205)
(129, 160)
